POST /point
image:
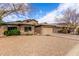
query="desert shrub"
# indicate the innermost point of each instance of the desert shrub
(63, 30)
(12, 32)
(68, 31)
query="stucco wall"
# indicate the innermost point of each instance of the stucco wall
(37, 30)
(2, 29)
(56, 29)
(29, 32)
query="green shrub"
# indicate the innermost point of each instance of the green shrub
(12, 32)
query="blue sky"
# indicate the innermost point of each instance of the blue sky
(38, 11)
(41, 9)
(44, 12)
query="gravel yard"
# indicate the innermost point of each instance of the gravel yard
(36, 45)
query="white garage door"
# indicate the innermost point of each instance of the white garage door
(47, 31)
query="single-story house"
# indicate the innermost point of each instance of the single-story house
(29, 26)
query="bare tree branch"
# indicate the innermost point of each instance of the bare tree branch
(70, 17)
(12, 8)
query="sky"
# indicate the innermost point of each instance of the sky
(41, 9)
(44, 12)
(38, 11)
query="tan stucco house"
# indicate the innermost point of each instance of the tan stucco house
(28, 27)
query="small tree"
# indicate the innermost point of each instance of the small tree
(70, 18)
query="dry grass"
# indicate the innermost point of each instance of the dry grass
(35, 45)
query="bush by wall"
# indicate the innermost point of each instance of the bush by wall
(12, 32)
(63, 30)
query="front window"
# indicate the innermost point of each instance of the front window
(26, 29)
(12, 28)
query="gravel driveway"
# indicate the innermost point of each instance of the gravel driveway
(36, 45)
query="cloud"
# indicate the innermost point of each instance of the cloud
(50, 17)
(15, 17)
